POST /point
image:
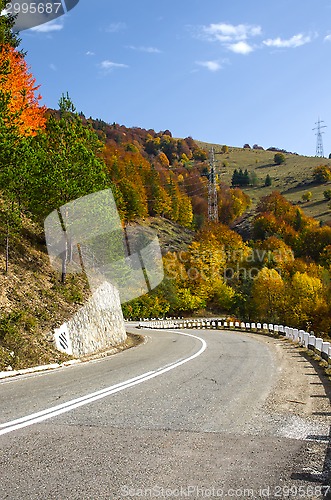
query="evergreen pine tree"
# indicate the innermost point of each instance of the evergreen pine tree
(246, 178)
(268, 181)
(240, 177)
(234, 181)
(7, 22)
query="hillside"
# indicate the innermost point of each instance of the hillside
(33, 301)
(293, 178)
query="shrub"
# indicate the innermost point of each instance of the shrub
(279, 158)
(322, 174)
(253, 179)
(327, 194)
(307, 196)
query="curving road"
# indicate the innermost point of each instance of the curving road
(183, 415)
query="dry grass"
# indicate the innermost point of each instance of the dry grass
(33, 301)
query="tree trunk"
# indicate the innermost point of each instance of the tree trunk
(64, 263)
(7, 252)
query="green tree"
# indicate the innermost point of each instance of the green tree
(225, 149)
(253, 179)
(234, 180)
(240, 177)
(67, 164)
(246, 178)
(268, 181)
(16, 155)
(135, 201)
(279, 158)
(7, 21)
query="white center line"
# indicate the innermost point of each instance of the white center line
(54, 411)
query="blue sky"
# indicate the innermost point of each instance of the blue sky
(226, 72)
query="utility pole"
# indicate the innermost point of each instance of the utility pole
(319, 142)
(212, 191)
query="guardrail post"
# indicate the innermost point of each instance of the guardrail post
(318, 344)
(311, 341)
(325, 350)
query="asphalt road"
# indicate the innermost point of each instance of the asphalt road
(180, 416)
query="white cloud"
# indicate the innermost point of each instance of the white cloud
(295, 41)
(240, 48)
(210, 65)
(116, 27)
(55, 25)
(327, 38)
(90, 53)
(227, 33)
(235, 38)
(109, 65)
(149, 50)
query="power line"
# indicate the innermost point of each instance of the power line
(212, 191)
(319, 142)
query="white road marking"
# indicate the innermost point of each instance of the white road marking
(54, 411)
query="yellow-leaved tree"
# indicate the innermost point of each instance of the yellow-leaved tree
(268, 295)
(307, 305)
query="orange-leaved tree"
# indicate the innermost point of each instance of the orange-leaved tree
(18, 88)
(21, 117)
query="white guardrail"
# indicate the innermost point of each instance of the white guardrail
(305, 339)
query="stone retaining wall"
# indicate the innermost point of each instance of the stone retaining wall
(98, 325)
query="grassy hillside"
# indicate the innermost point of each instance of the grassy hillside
(292, 178)
(172, 236)
(33, 301)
